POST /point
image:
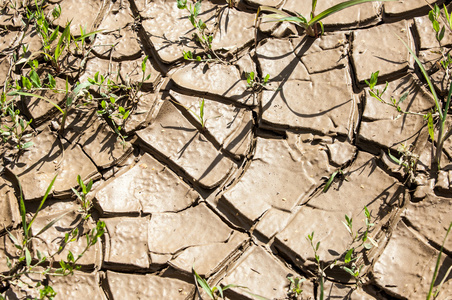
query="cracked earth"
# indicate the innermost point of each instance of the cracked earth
(237, 198)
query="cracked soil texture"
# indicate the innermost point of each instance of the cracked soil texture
(225, 176)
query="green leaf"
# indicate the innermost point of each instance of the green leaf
(126, 115)
(448, 17)
(201, 112)
(348, 256)
(75, 93)
(49, 188)
(435, 25)
(89, 186)
(57, 52)
(14, 93)
(70, 257)
(47, 292)
(76, 193)
(346, 226)
(23, 212)
(197, 9)
(27, 145)
(330, 180)
(52, 82)
(395, 159)
(143, 64)
(431, 126)
(424, 72)
(181, 4)
(336, 8)
(27, 257)
(8, 263)
(14, 240)
(203, 283)
(39, 254)
(26, 83)
(440, 35)
(349, 271)
(81, 184)
(54, 35)
(314, 4)
(51, 223)
(373, 79)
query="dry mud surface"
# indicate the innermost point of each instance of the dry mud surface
(237, 199)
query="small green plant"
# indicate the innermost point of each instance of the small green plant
(349, 264)
(313, 27)
(113, 111)
(435, 273)
(320, 271)
(188, 55)
(364, 239)
(81, 196)
(216, 292)
(202, 34)
(68, 267)
(435, 16)
(295, 287)
(33, 83)
(200, 115)
(108, 90)
(15, 130)
(393, 102)
(24, 265)
(49, 36)
(443, 133)
(408, 159)
(254, 83)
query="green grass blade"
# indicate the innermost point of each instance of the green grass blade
(430, 125)
(424, 72)
(435, 273)
(395, 159)
(203, 283)
(85, 35)
(327, 185)
(50, 224)
(27, 257)
(14, 240)
(23, 212)
(338, 7)
(314, 4)
(49, 188)
(446, 108)
(271, 9)
(321, 287)
(17, 93)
